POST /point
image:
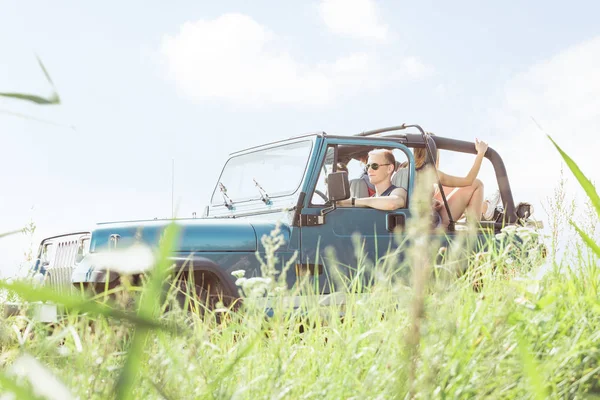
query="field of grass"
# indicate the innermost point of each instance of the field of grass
(501, 329)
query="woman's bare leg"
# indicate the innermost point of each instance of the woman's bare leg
(465, 200)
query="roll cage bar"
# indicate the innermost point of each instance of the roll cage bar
(432, 143)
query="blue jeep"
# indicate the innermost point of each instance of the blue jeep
(292, 184)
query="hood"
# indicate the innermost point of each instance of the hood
(195, 235)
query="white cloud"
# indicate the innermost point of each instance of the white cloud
(353, 18)
(237, 59)
(232, 57)
(415, 68)
(562, 94)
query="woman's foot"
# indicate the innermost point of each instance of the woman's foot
(489, 206)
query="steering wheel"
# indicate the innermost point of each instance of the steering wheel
(322, 195)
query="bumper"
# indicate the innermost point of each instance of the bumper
(38, 311)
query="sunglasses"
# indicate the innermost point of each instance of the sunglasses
(374, 166)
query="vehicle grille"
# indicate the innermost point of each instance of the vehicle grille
(59, 278)
(58, 275)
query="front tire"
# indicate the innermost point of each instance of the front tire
(196, 299)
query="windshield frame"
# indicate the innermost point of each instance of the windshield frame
(215, 198)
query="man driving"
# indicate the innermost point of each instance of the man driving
(381, 164)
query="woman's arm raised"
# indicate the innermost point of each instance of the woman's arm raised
(457, 181)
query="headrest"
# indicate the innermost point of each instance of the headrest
(359, 188)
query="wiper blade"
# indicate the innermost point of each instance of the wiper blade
(263, 194)
(226, 200)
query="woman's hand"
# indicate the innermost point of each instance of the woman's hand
(480, 146)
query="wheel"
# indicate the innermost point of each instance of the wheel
(196, 299)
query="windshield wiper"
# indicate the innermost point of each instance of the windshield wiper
(226, 200)
(263, 194)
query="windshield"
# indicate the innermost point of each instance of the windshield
(279, 171)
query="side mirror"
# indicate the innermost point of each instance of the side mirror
(338, 186)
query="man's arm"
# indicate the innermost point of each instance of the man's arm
(396, 199)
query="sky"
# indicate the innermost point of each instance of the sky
(148, 84)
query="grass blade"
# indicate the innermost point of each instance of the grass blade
(41, 64)
(588, 240)
(585, 183)
(53, 99)
(32, 118)
(5, 234)
(30, 293)
(536, 383)
(149, 304)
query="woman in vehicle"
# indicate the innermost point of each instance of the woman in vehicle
(464, 194)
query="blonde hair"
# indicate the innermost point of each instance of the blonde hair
(389, 156)
(420, 154)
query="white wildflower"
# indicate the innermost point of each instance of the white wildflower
(240, 281)
(126, 261)
(257, 291)
(525, 237)
(63, 351)
(256, 286)
(76, 339)
(239, 273)
(523, 229)
(522, 301)
(258, 281)
(45, 383)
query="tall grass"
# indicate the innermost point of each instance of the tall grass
(459, 326)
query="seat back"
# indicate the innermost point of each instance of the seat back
(400, 178)
(359, 188)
